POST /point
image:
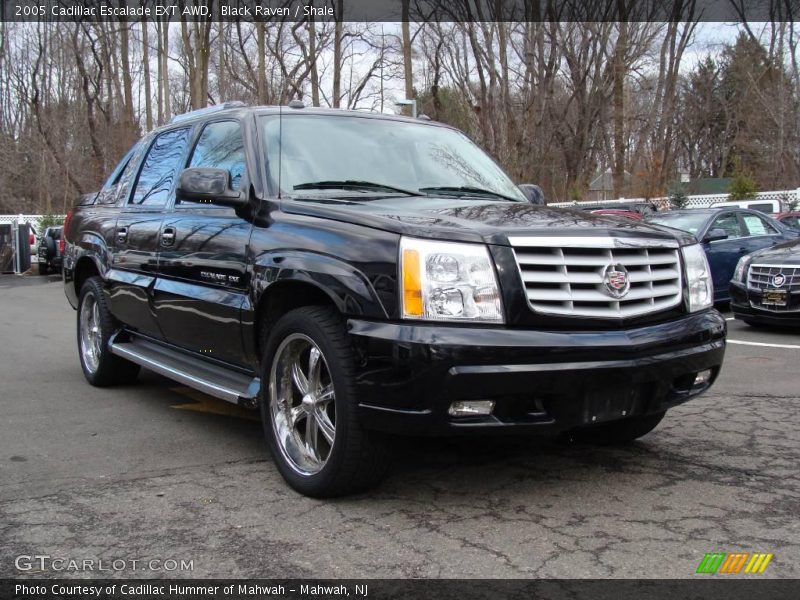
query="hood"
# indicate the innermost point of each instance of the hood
(786, 253)
(473, 220)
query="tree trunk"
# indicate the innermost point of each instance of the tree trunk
(127, 86)
(164, 69)
(148, 105)
(262, 65)
(312, 52)
(618, 172)
(407, 68)
(221, 70)
(337, 55)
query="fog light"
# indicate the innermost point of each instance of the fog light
(703, 377)
(471, 408)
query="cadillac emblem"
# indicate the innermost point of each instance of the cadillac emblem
(778, 280)
(616, 281)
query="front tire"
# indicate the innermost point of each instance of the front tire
(96, 325)
(619, 432)
(308, 407)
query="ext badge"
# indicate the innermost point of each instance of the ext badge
(778, 280)
(616, 281)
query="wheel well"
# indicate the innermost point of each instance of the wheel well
(84, 269)
(279, 299)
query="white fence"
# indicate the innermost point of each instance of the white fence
(701, 201)
(32, 219)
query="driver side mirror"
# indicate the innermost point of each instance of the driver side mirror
(715, 235)
(533, 193)
(208, 186)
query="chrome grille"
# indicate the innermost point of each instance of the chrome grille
(564, 275)
(759, 277)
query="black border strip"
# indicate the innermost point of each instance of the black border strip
(729, 587)
(392, 10)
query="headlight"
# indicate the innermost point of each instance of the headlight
(740, 274)
(698, 278)
(446, 281)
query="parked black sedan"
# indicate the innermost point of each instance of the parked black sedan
(765, 288)
(727, 234)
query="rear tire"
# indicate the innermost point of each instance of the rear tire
(309, 418)
(96, 325)
(619, 432)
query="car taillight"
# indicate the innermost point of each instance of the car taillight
(64, 230)
(61, 244)
(31, 239)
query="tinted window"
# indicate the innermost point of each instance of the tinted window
(119, 190)
(765, 207)
(758, 226)
(161, 166)
(792, 221)
(221, 146)
(116, 175)
(730, 224)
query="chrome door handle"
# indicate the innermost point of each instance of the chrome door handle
(122, 234)
(168, 236)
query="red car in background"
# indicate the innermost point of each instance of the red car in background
(615, 212)
(790, 219)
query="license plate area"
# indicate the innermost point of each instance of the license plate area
(612, 402)
(774, 298)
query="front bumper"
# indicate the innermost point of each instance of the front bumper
(541, 381)
(746, 305)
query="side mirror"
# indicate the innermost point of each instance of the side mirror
(715, 235)
(208, 186)
(533, 193)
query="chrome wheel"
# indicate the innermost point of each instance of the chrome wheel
(91, 333)
(302, 407)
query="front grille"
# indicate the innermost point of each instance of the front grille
(565, 276)
(762, 277)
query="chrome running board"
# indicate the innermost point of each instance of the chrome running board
(214, 380)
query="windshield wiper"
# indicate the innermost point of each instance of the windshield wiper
(351, 184)
(467, 190)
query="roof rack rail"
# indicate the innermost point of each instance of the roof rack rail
(207, 111)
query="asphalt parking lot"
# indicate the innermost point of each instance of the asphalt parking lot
(157, 471)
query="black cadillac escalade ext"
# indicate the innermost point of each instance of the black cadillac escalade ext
(352, 274)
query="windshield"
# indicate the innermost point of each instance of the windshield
(368, 156)
(691, 222)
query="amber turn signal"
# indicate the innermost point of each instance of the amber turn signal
(412, 284)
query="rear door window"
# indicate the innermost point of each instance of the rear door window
(758, 226)
(116, 174)
(160, 169)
